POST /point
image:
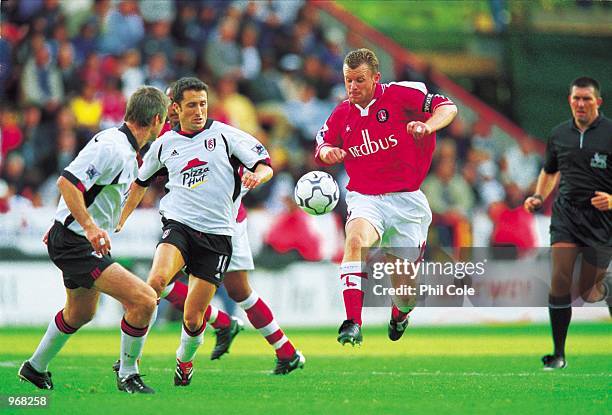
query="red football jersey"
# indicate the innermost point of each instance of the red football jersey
(381, 156)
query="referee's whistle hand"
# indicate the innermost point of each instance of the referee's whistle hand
(602, 201)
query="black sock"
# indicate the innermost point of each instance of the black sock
(560, 312)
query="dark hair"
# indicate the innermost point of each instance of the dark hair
(358, 57)
(187, 84)
(585, 82)
(145, 104)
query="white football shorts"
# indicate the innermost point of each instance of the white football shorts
(401, 219)
(242, 258)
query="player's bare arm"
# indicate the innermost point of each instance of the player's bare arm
(332, 155)
(261, 175)
(544, 186)
(98, 238)
(440, 118)
(136, 194)
(602, 201)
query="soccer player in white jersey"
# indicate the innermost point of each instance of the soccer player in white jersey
(258, 312)
(385, 135)
(202, 160)
(93, 188)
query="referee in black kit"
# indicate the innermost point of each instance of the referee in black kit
(580, 151)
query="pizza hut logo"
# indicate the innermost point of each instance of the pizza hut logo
(210, 144)
(195, 173)
(382, 115)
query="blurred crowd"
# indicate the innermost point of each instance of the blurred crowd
(273, 68)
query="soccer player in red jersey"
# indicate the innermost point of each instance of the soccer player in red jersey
(385, 135)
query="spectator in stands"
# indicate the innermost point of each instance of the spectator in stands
(85, 42)
(250, 58)
(41, 82)
(223, 55)
(113, 104)
(158, 40)
(239, 109)
(87, 108)
(132, 74)
(10, 133)
(67, 68)
(158, 73)
(124, 29)
(307, 114)
(451, 201)
(522, 166)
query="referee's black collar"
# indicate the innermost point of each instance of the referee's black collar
(207, 125)
(125, 130)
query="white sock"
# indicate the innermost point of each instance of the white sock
(190, 343)
(51, 343)
(132, 343)
(151, 322)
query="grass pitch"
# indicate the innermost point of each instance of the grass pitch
(490, 369)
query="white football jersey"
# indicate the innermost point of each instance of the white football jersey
(203, 180)
(103, 170)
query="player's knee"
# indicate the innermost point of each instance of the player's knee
(194, 321)
(158, 282)
(591, 296)
(239, 290)
(78, 318)
(354, 244)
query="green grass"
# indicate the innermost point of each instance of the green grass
(491, 369)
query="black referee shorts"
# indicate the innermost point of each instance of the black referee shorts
(584, 226)
(206, 255)
(75, 257)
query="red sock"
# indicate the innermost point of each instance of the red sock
(178, 295)
(216, 318)
(397, 314)
(261, 317)
(351, 277)
(353, 303)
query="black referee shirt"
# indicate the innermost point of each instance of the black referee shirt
(584, 159)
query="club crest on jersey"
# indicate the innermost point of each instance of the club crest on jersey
(382, 115)
(259, 149)
(195, 173)
(599, 161)
(210, 144)
(166, 233)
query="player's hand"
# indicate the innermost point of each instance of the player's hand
(332, 155)
(250, 180)
(99, 239)
(602, 201)
(45, 238)
(533, 203)
(418, 129)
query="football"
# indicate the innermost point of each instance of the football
(316, 193)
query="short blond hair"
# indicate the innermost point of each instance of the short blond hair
(358, 57)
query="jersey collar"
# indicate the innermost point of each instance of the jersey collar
(377, 93)
(125, 130)
(207, 125)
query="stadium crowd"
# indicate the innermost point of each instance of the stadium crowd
(275, 71)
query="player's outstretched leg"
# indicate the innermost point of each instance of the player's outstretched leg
(190, 342)
(399, 322)
(261, 317)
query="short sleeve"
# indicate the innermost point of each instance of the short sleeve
(151, 164)
(329, 134)
(247, 149)
(551, 163)
(92, 165)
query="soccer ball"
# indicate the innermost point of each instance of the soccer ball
(316, 193)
